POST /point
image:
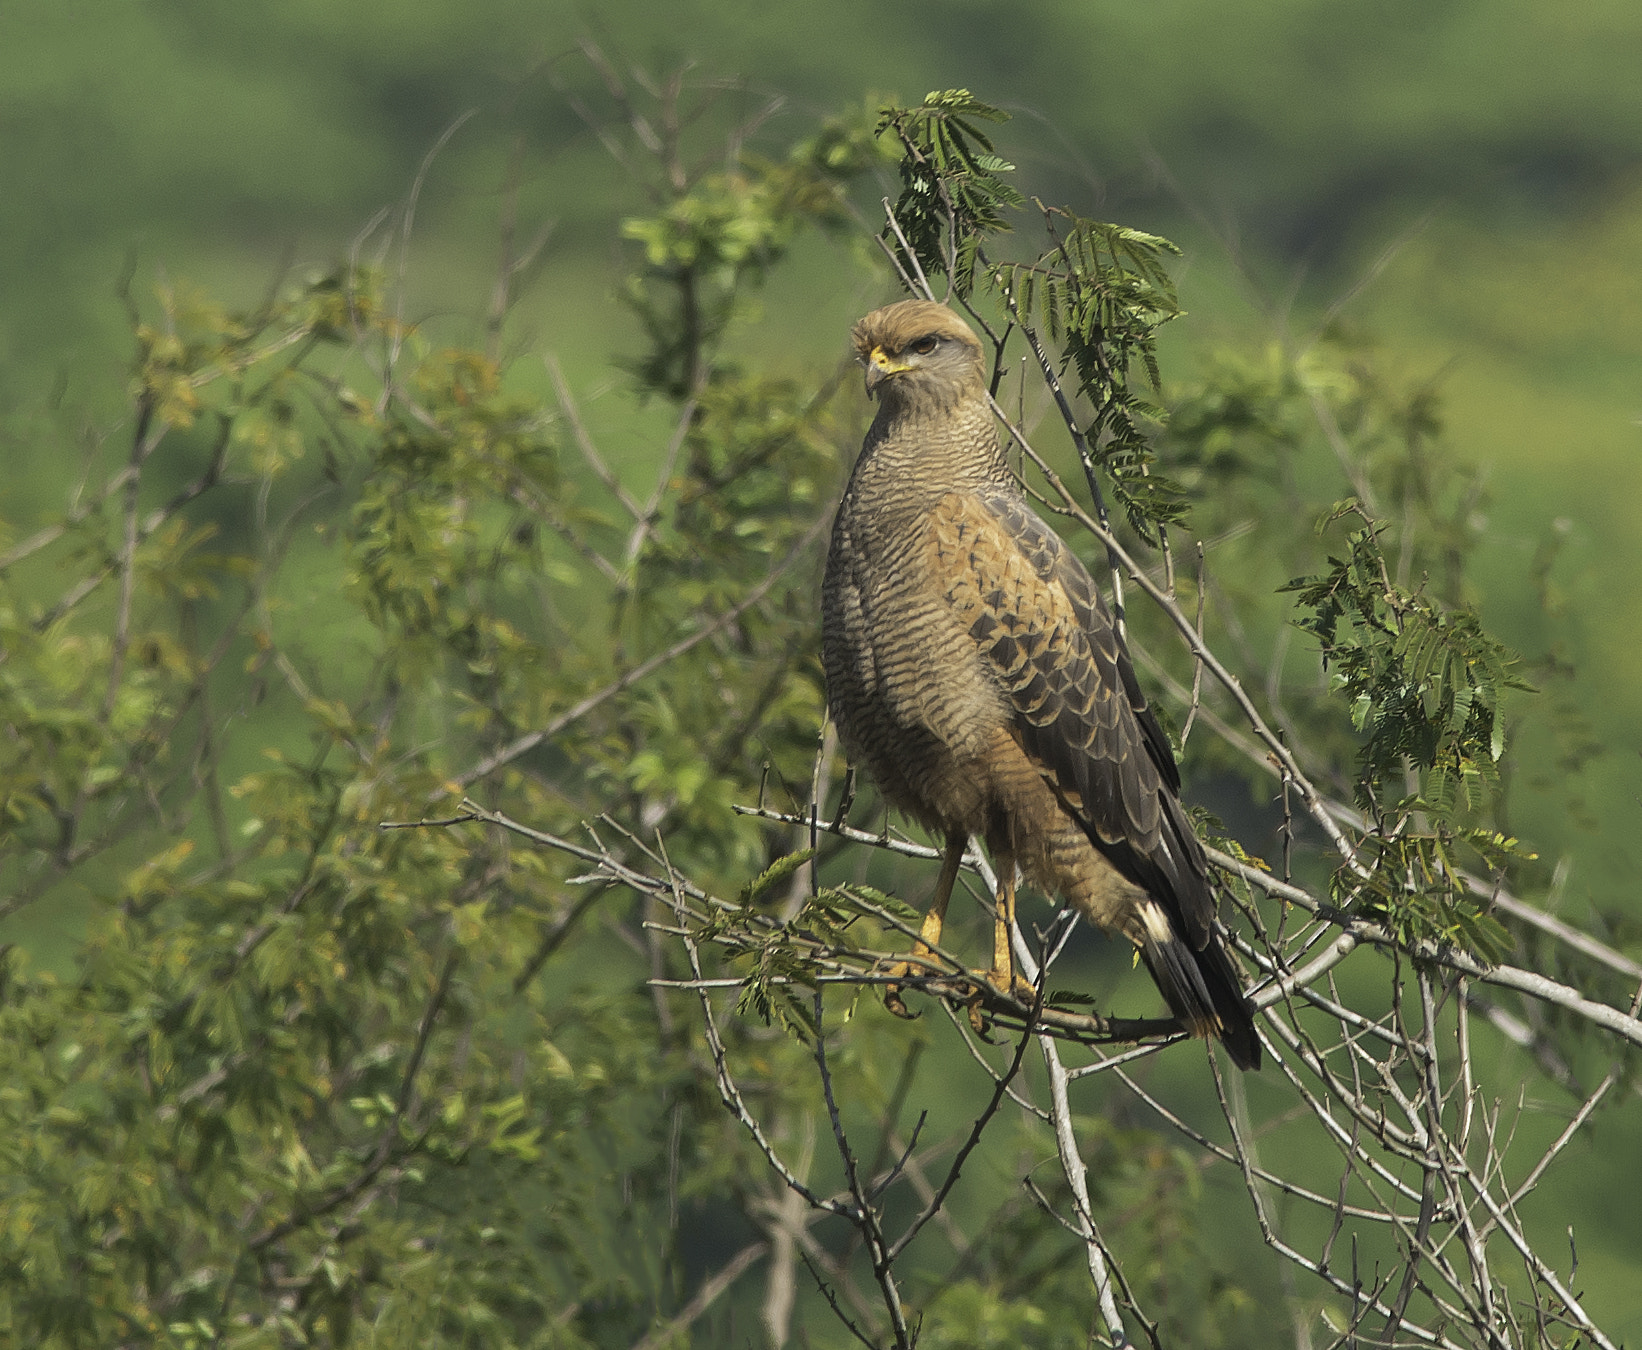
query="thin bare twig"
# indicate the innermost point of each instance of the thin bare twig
(981, 1121)
(584, 441)
(864, 1213)
(530, 740)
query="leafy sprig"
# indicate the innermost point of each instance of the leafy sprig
(1423, 683)
(1101, 291)
(951, 195)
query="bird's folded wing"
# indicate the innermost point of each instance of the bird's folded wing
(1036, 616)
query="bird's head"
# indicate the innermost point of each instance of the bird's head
(919, 354)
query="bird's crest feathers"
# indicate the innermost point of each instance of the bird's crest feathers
(895, 328)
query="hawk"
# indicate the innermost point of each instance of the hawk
(973, 670)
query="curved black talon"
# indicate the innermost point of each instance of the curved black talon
(897, 1006)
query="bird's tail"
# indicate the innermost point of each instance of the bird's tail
(1201, 988)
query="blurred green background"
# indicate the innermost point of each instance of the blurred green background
(1463, 182)
(1467, 178)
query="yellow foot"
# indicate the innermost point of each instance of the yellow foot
(1000, 982)
(1010, 985)
(915, 965)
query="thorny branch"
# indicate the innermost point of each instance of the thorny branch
(1468, 1193)
(1412, 1180)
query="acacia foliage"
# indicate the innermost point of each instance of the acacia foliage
(275, 1076)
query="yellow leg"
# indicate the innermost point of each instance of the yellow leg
(951, 860)
(1002, 976)
(1003, 960)
(929, 934)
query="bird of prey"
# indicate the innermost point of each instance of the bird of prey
(973, 670)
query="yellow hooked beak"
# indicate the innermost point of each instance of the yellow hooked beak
(880, 366)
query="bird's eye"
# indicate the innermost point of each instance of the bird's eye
(925, 345)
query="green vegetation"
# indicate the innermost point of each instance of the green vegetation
(277, 1076)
